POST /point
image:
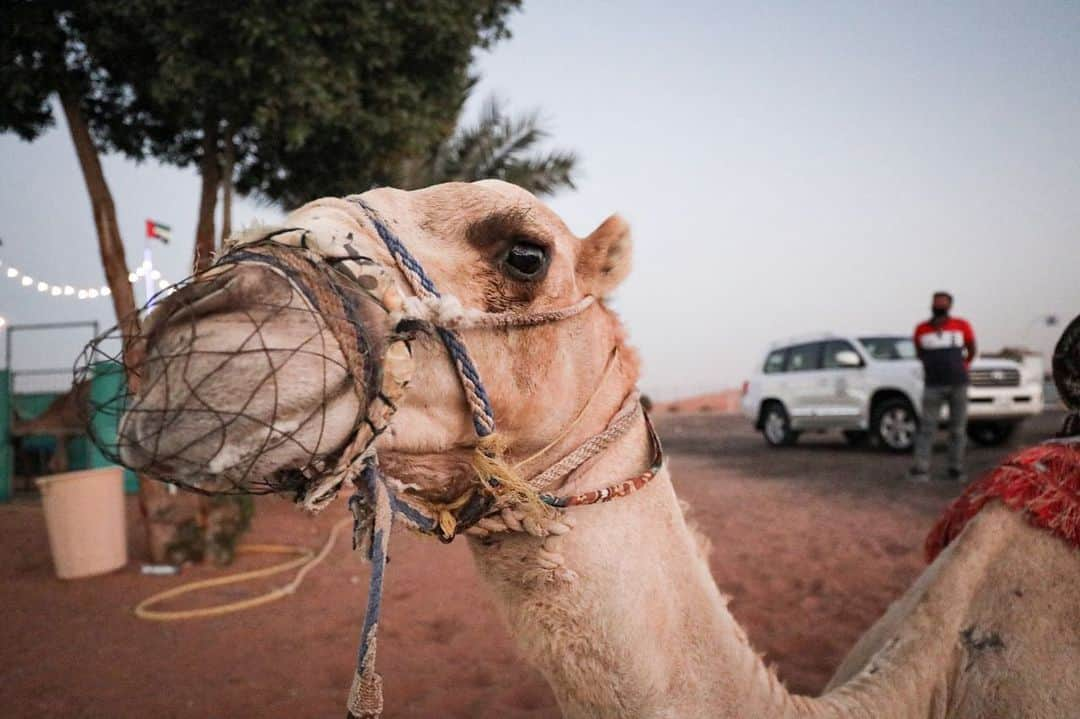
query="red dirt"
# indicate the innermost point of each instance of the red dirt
(724, 402)
(811, 543)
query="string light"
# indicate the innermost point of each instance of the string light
(82, 293)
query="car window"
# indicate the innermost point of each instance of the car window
(804, 357)
(775, 361)
(889, 348)
(834, 348)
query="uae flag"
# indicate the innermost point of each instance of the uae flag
(158, 231)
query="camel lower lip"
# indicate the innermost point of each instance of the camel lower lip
(436, 477)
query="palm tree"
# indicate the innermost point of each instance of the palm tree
(499, 147)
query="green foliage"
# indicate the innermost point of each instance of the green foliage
(498, 146)
(319, 96)
(38, 57)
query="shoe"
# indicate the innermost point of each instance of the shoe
(915, 475)
(957, 475)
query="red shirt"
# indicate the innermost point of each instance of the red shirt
(946, 349)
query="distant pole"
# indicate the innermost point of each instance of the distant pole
(148, 264)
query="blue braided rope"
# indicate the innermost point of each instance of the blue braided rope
(465, 366)
(400, 253)
(372, 490)
(377, 555)
(484, 419)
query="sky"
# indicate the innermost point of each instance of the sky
(786, 169)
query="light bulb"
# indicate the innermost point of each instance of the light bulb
(92, 294)
(105, 291)
(27, 280)
(68, 290)
(55, 291)
(12, 272)
(42, 286)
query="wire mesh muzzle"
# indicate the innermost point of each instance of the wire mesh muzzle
(258, 375)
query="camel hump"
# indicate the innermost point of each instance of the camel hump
(1040, 482)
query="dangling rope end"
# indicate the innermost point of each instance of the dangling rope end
(502, 481)
(447, 525)
(365, 696)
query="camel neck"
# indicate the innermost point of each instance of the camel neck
(642, 628)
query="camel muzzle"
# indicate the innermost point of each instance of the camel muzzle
(255, 376)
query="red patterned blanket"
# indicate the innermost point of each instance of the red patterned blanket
(1042, 482)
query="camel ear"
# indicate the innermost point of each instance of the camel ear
(605, 257)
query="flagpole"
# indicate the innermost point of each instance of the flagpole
(148, 264)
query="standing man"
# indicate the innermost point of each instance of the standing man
(946, 346)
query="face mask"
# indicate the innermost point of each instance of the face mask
(939, 312)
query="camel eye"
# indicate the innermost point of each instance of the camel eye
(526, 260)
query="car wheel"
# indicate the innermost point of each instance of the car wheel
(991, 434)
(856, 437)
(776, 426)
(895, 425)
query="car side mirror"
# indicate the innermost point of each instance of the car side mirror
(848, 358)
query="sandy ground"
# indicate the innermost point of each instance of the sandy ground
(812, 543)
(723, 402)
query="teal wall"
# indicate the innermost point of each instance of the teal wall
(107, 398)
(105, 390)
(7, 459)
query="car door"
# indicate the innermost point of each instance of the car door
(803, 378)
(770, 384)
(844, 390)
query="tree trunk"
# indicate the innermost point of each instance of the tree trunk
(210, 173)
(227, 187)
(155, 502)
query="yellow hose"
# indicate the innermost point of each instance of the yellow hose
(306, 561)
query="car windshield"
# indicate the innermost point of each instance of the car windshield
(889, 348)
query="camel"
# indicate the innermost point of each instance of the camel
(613, 602)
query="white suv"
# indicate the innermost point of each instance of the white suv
(870, 387)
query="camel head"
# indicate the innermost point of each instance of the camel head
(246, 384)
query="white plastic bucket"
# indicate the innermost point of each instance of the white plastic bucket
(84, 516)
